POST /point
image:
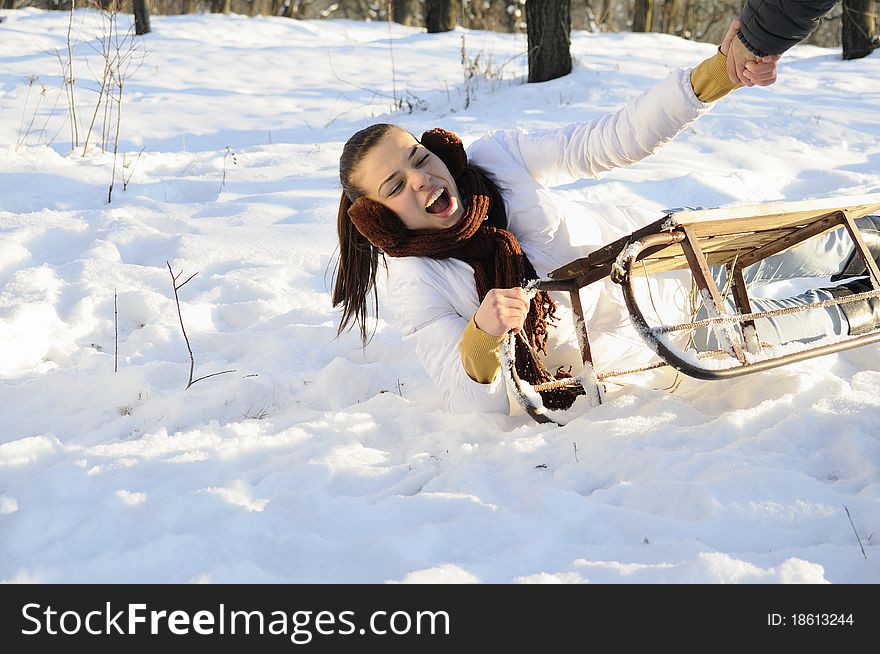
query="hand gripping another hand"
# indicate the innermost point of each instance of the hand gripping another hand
(744, 66)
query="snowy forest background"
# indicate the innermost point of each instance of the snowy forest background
(209, 147)
(689, 19)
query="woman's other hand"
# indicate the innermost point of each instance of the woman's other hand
(502, 310)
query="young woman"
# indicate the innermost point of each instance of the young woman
(461, 232)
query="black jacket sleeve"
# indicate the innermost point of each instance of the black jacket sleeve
(773, 26)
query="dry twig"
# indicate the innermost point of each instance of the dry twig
(855, 532)
(192, 361)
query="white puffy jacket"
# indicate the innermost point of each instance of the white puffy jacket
(433, 300)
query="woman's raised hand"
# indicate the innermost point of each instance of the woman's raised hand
(745, 67)
(502, 310)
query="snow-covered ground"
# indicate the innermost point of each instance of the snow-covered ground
(315, 461)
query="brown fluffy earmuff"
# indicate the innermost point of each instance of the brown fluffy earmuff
(448, 147)
(377, 223)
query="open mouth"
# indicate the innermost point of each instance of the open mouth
(439, 202)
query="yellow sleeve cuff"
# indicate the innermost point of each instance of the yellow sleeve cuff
(479, 353)
(710, 80)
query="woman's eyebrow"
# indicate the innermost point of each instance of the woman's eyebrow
(412, 153)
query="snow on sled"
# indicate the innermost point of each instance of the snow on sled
(696, 240)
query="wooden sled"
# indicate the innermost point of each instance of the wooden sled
(734, 237)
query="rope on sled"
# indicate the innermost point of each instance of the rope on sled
(757, 315)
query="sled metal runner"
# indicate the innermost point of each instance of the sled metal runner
(735, 237)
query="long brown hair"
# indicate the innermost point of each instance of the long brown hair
(358, 259)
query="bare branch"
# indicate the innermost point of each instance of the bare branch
(213, 374)
(126, 180)
(180, 286)
(855, 532)
(192, 361)
(69, 80)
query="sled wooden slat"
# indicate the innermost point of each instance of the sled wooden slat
(725, 234)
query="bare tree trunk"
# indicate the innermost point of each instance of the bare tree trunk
(404, 12)
(549, 30)
(510, 21)
(877, 17)
(670, 16)
(592, 19)
(292, 8)
(262, 7)
(141, 16)
(689, 24)
(610, 18)
(220, 6)
(606, 15)
(440, 15)
(857, 33)
(643, 11)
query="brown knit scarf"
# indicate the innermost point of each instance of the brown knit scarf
(493, 252)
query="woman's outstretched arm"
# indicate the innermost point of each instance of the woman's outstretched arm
(628, 135)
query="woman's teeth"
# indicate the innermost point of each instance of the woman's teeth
(433, 197)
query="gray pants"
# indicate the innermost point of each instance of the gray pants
(819, 257)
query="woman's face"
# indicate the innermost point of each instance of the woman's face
(401, 174)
